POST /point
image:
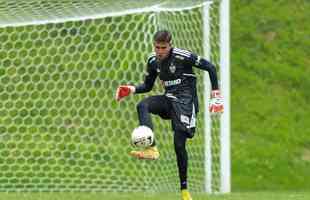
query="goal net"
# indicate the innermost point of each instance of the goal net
(60, 64)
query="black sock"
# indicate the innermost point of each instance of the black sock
(183, 185)
(181, 154)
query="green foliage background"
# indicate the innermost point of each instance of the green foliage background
(270, 46)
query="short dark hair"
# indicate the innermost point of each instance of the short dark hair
(162, 36)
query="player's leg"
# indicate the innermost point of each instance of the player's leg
(181, 135)
(182, 157)
(158, 105)
(180, 138)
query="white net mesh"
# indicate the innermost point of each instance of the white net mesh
(60, 127)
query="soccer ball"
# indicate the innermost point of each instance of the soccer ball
(142, 136)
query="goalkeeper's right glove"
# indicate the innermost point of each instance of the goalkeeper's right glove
(123, 91)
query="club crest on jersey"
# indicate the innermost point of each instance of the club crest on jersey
(172, 68)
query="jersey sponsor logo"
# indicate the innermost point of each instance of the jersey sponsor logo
(172, 82)
(172, 68)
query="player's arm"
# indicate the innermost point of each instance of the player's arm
(205, 65)
(216, 101)
(150, 77)
(149, 80)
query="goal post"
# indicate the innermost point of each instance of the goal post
(225, 88)
(216, 22)
(60, 64)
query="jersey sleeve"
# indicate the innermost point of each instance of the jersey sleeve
(149, 78)
(205, 65)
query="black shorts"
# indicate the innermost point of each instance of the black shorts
(182, 115)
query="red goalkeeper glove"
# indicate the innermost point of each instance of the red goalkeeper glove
(216, 102)
(123, 91)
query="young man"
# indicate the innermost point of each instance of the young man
(179, 103)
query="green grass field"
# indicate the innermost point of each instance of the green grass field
(163, 196)
(270, 95)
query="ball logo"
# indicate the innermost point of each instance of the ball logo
(142, 136)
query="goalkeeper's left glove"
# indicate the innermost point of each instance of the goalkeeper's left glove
(123, 91)
(216, 102)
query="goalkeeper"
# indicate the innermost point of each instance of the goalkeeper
(179, 103)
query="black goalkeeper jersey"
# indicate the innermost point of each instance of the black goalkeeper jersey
(177, 75)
